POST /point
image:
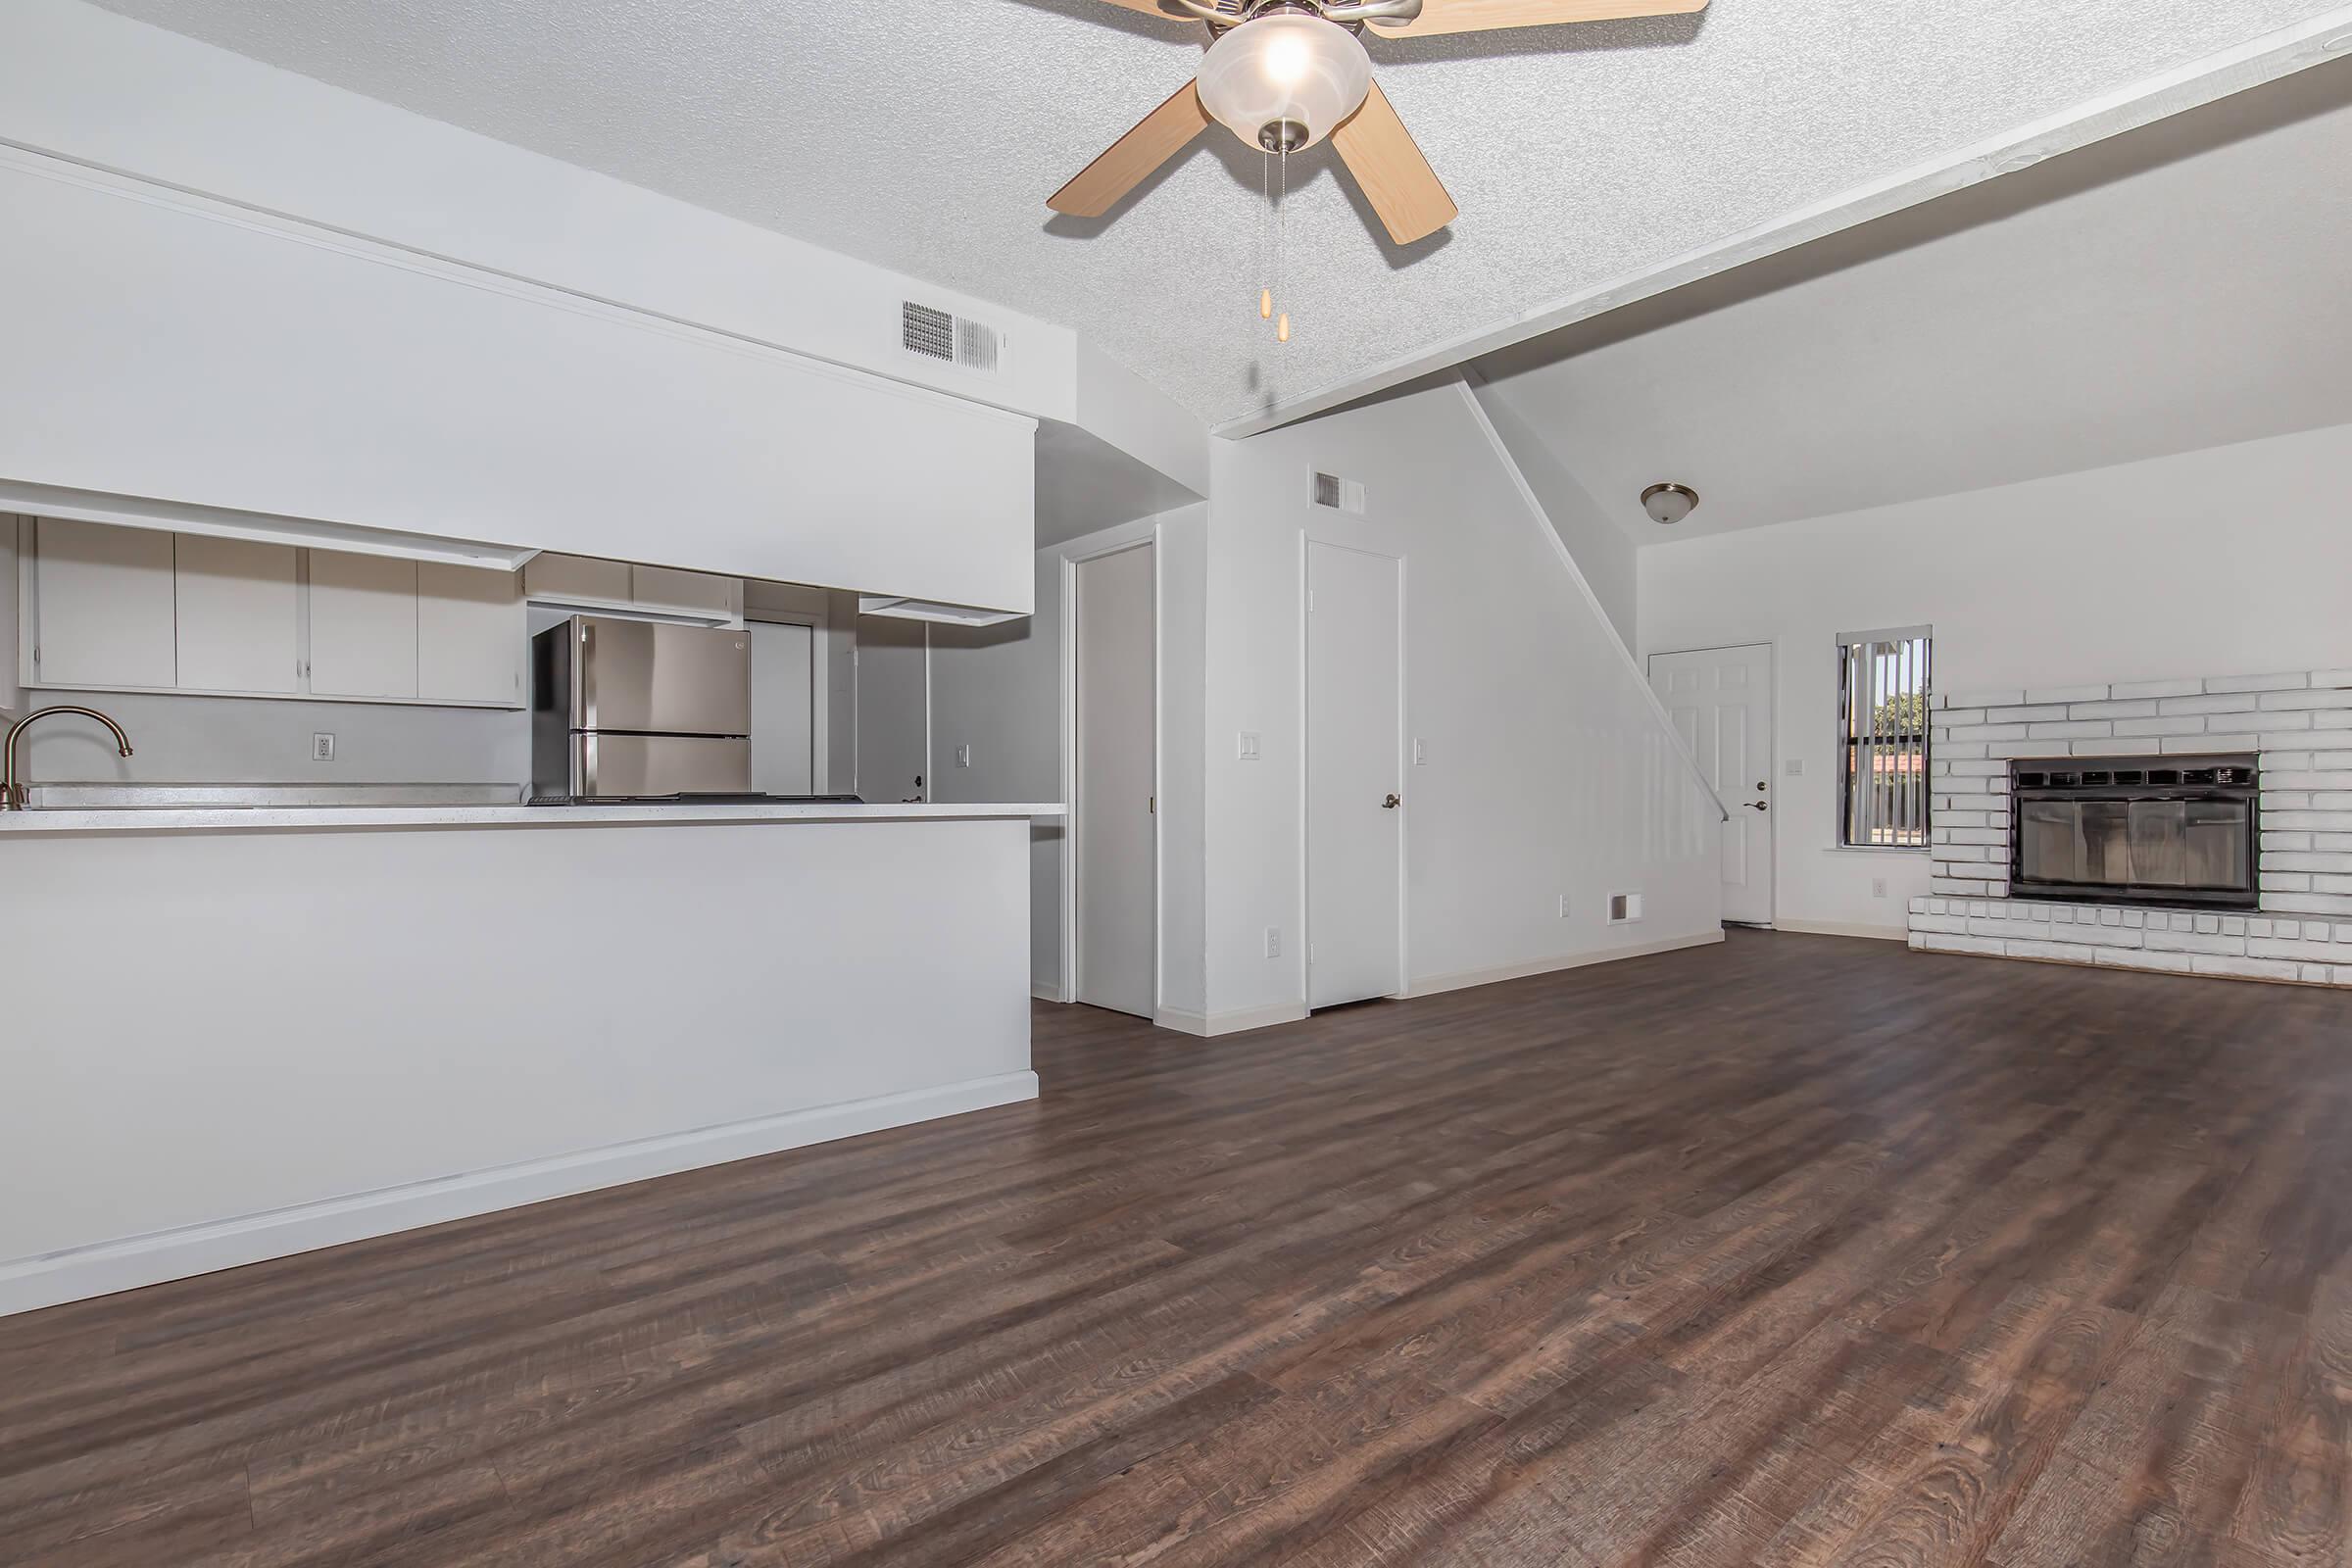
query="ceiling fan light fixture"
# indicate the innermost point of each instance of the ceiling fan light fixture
(1285, 81)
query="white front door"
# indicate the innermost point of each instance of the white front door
(783, 709)
(1118, 897)
(1355, 813)
(1721, 700)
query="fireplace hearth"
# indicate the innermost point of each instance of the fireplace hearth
(2163, 831)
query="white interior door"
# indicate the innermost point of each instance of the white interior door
(783, 709)
(894, 711)
(1355, 813)
(1721, 700)
(1118, 893)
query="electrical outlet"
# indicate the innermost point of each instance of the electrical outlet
(1246, 746)
(1563, 906)
(322, 747)
(1878, 887)
(1273, 941)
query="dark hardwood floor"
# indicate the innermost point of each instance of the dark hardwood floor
(1794, 1250)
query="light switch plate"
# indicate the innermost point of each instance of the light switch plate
(1794, 768)
(1420, 753)
(1246, 748)
(964, 757)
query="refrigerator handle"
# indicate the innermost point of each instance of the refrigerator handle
(583, 674)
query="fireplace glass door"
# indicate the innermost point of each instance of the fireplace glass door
(2151, 844)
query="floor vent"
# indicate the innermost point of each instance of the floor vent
(1341, 495)
(949, 338)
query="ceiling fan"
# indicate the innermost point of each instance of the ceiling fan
(1284, 74)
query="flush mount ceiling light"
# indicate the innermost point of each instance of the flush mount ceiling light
(1669, 504)
(1283, 74)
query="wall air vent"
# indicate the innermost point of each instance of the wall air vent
(1341, 495)
(951, 339)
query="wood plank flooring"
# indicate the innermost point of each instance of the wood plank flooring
(1797, 1251)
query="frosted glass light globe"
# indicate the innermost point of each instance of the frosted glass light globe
(1284, 83)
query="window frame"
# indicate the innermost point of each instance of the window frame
(1847, 742)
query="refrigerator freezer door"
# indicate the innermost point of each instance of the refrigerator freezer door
(659, 678)
(608, 766)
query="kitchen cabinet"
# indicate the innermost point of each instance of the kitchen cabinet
(106, 608)
(101, 607)
(238, 619)
(576, 580)
(470, 635)
(362, 625)
(619, 588)
(668, 591)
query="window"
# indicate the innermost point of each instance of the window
(1883, 739)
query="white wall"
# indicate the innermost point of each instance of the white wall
(1602, 552)
(1549, 772)
(122, 95)
(997, 689)
(333, 1034)
(2235, 558)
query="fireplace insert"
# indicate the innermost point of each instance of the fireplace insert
(2161, 830)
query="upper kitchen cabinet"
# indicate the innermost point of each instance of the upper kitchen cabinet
(619, 588)
(475, 408)
(554, 579)
(238, 616)
(470, 635)
(98, 606)
(364, 612)
(687, 593)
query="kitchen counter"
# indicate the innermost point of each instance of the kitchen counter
(56, 821)
(240, 1032)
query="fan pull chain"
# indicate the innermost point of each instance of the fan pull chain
(1282, 327)
(1265, 182)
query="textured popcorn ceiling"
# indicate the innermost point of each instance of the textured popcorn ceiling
(925, 135)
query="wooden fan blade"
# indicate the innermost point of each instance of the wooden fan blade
(1396, 178)
(1151, 8)
(1162, 133)
(1491, 15)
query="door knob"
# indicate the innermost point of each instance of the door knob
(1390, 803)
(1758, 806)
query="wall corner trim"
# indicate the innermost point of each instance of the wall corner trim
(1576, 574)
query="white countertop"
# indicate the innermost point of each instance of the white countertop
(261, 819)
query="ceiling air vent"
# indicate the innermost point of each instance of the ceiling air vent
(1341, 495)
(949, 338)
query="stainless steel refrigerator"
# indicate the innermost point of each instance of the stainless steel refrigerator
(637, 710)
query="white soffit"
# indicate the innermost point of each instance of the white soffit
(2180, 287)
(1590, 163)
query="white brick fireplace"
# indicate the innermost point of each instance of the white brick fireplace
(2299, 723)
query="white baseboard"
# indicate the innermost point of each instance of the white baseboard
(1182, 1020)
(1815, 928)
(108, 1266)
(1043, 991)
(1241, 1018)
(1467, 978)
